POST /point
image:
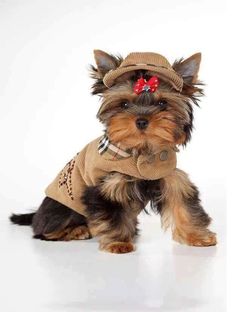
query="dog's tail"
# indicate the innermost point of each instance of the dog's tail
(22, 219)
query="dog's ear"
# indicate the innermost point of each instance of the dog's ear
(192, 87)
(105, 62)
(188, 68)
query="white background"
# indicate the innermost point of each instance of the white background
(47, 115)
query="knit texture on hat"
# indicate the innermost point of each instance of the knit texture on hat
(148, 61)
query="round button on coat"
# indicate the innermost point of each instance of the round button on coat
(163, 155)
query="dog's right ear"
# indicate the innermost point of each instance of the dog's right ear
(105, 62)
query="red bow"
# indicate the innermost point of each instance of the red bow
(143, 85)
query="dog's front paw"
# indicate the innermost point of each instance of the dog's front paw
(209, 239)
(199, 238)
(119, 247)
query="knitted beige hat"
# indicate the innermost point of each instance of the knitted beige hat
(149, 61)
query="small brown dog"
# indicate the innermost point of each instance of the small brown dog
(147, 111)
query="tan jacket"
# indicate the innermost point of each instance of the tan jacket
(95, 161)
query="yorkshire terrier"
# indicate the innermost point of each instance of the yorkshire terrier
(147, 111)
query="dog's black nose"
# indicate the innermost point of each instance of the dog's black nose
(141, 123)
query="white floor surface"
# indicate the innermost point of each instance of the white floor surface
(160, 275)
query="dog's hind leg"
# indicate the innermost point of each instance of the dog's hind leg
(56, 222)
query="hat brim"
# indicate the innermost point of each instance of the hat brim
(165, 74)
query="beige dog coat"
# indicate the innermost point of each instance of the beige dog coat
(96, 160)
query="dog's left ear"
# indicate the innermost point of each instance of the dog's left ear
(188, 68)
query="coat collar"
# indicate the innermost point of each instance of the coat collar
(111, 151)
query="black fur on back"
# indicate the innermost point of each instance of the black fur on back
(51, 216)
(54, 216)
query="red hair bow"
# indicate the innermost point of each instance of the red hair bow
(143, 85)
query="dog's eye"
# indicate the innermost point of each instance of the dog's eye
(125, 105)
(162, 104)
